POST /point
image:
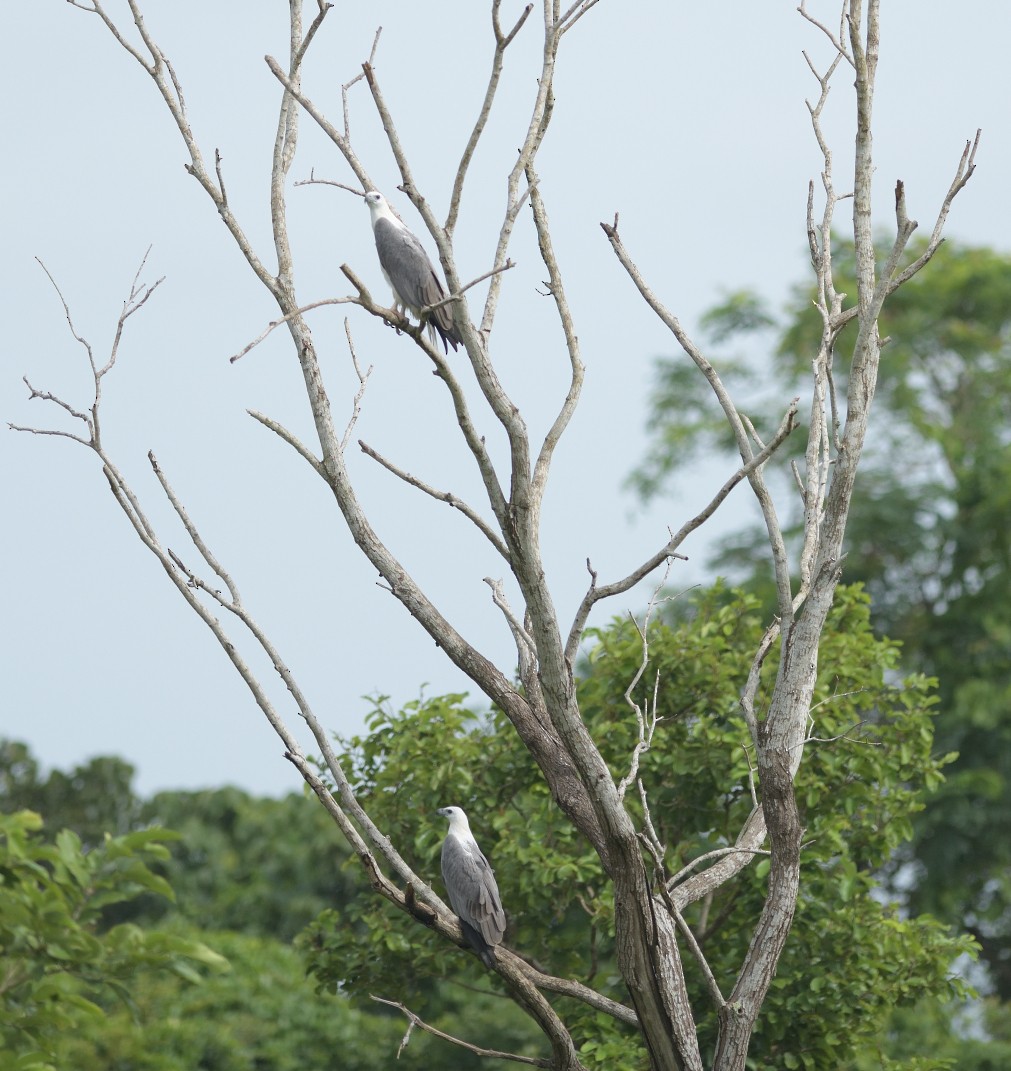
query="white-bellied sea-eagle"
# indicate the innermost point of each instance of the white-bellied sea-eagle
(472, 889)
(408, 270)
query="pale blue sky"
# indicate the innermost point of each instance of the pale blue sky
(688, 119)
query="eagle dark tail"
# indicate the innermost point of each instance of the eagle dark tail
(442, 321)
(479, 944)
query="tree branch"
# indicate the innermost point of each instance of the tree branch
(416, 1021)
(753, 472)
(596, 594)
(502, 42)
(441, 496)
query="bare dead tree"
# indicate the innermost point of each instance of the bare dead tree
(543, 708)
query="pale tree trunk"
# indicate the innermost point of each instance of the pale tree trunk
(651, 933)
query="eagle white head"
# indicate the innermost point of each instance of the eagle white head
(458, 822)
(379, 208)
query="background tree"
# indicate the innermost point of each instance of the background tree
(231, 860)
(93, 799)
(261, 1012)
(58, 966)
(942, 584)
(542, 706)
(238, 867)
(928, 538)
(102, 953)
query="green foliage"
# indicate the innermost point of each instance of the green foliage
(134, 997)
(942, 584)
(740, 312)
(433, 753)
(919, 1038)
(236, 864)
(58, 967)
(850, 958)
(850, 961)
(260, 1014)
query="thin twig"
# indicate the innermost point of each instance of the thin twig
(753, 472)
(292, 440)
(576, 368)
(837, 41)
(194, 535)
(47, 396)
(313, 181)
(357, 78)
(502, 42)
(363, 378)
(716, 853)
(294, 314)
(526, 648)
(574, 14)
(646, 721)
(416, 1021)
(595, 594)
(441, 496)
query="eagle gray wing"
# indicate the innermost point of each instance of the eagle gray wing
(473, 892)
(412, 277)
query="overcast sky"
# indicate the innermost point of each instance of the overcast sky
(688, 119)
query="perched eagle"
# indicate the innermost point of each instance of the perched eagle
(408, 270)
(470, 882)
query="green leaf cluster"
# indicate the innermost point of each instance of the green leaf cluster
(58, 966)
(261, 1014)
(246, 873)
(92, 799)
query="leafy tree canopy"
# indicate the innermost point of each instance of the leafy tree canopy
(252, 865)
(93, 799)
(261, 1014)
(234, 863)
(859, 788)
(101, 963)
